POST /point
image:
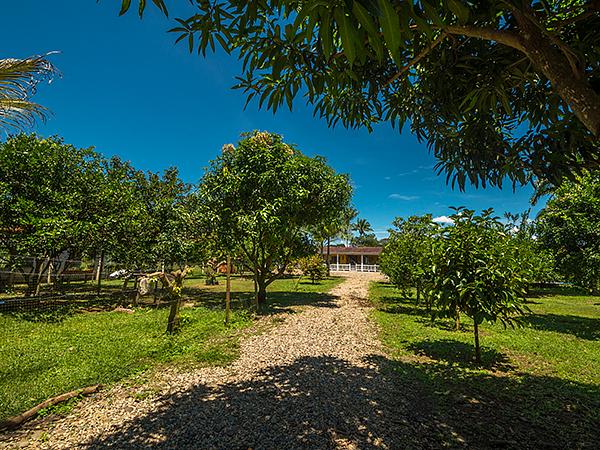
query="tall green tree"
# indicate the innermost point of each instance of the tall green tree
(262, 197)
(569, 226)
(47, 189)
(496, 88)
(18, 81)
(475, 272)
(537, 261)
(407, 257)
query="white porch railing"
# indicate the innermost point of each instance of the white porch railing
(354, 267)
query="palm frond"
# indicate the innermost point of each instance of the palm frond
(18, 82)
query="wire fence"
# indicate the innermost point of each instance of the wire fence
(41, 284)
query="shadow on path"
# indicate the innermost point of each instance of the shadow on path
(325, 402)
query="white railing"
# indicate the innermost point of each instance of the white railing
(354, 267)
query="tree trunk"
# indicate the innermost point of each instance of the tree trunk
(457, 319)
(570, 85)
(173, 323)
(228, 293)
(99, 273)
(255, 292)
(418, 292)
(261, 295)
(477, 349)
(328, 255)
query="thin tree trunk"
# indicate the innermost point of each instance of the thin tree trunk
(99, 274)
(173, 322)
(328, 256)
(40, 275)
(255, 292)
(228, 292)
(261, 295)
(477, 349)
(418, 292)
(457, 319)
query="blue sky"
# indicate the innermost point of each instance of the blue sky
(127, 89)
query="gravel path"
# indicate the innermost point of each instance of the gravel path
(317, 380)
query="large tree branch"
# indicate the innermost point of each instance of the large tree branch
(507, 38)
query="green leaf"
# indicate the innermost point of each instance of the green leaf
(347, 34)
(326, 35)
(365, 19)
(390, 24)
(125, 5)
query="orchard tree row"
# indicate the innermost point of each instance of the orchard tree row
(262, 202)
(482, 266)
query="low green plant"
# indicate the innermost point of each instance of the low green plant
(313, 267)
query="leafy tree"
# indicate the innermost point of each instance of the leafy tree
(366, 240)
(475, 272)
(536, 260)
(569, 227)
(46, 206)
(524, 75)
(406, 258)
(261, 199)
(57, 199)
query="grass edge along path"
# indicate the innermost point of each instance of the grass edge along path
(539, 386)
(42, 359)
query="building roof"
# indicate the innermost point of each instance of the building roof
(353, 250)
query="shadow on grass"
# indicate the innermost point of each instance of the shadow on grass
(458, 353)
(277, 302)
(582, 327)
(325, 402)
(565, 291)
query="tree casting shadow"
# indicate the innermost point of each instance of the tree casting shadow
(458, 353)
(326, 402)
(277, 302)
(582, 327)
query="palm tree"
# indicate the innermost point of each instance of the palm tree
(18, 81)
(362, 227)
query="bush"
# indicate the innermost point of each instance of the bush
(313, 267)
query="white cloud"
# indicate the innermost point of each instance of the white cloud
(443, 219)
(407, 198)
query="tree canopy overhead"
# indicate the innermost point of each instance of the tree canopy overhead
(496, 88)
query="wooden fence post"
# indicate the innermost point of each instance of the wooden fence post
(228, 292)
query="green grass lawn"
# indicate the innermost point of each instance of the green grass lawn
(538, 387)
(43, 356)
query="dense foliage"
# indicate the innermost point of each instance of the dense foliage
(524, 97)
(60, 201)
(476, 272)
(478, 265)
(313, 267)
(262, 198)
(406, 258)
(569, 225)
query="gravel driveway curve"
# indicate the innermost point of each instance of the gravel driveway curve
(317, 380)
